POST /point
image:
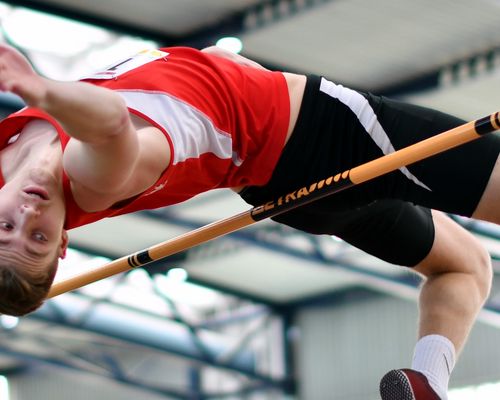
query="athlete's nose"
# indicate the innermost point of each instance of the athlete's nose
(29, 211)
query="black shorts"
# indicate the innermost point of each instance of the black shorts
(389, 217)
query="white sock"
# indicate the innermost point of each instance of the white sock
(435, 357)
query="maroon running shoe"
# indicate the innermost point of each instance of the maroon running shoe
(406, 384)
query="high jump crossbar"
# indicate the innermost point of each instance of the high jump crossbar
(317, 190)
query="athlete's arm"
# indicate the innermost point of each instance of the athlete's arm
(219, 52)
(106, 150)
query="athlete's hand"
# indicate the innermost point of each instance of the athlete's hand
(17, 76)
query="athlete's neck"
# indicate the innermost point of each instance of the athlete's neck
(37, 146)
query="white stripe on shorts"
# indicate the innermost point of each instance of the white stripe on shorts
(367, 117)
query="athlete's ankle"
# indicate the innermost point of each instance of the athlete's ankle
(441, 391)
(435, 358)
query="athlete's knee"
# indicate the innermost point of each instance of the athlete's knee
(482, 269)
(476, 262)
(488, 209)
(457, 251)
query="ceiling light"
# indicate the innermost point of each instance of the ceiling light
(8, 322)
(232, 44)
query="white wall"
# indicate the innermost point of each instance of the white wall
(345, 349)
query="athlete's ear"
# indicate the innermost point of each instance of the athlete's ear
(64, 244)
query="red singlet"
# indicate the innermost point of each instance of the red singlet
(226, 124)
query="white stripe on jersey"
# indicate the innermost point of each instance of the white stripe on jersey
(367, 117)
(192, 132)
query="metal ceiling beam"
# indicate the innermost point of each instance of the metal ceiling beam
(76, 311)
(188, 393)
(83, 313)
(403, 285)
(471, 66)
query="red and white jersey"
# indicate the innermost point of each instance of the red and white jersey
(226, 123)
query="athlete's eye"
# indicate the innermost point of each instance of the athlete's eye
(6, 226)
(39, 237)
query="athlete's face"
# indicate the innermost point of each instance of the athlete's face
(31, 223)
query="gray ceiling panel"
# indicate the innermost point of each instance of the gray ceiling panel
(371, 44)
(171, 17)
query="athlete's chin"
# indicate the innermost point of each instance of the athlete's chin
(42, 177)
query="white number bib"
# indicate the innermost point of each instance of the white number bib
(117, 69)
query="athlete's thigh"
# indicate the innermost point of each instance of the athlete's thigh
(488, 208)
(392, 230)
(452, 181)
(454, 250)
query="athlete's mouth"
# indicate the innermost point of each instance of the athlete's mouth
(36, 193)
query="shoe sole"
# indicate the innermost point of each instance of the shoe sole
(396, 386)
